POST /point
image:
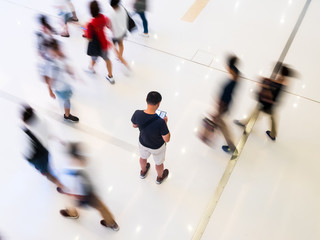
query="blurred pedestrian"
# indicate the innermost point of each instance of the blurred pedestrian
(98, 44)
(268, 98)
(154, 134)
(224, 104)
(67, 13)
(35, 144)
(119, 27)
(140, 7)
(44, 39)
(59, 74)
(79, 186)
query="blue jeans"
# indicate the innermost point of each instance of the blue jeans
(144, 21)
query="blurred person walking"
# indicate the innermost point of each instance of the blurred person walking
(59, 73)
(154, 134)
(79, 187)
(44, 39)
(98, 44)
(35, 144)
(140, 7)
(224, 104)
(119, 27)
(67, 13)
(268, 98)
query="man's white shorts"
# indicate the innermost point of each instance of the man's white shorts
(158, 154)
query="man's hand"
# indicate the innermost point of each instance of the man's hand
(165, 119)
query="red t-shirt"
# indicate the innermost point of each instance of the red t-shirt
(97, 26)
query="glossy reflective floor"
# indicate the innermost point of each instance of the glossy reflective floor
(272, 192)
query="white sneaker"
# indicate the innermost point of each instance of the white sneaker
(110, 79)
(90, 71)
(144, 35)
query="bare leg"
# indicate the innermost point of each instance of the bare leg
(109, 67)
(159, 169)
(143, 164)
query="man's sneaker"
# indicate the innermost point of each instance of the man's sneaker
(114, 227)
(110, 79)
(143, 175)
(71, 118)
(227, 149)
(164, 176)
(269, 134)
(237, 122)
(66, 214)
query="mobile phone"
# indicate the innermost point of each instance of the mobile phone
(161, 114)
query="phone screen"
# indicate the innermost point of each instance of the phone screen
(161, 114)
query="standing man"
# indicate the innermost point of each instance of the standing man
(154, 134)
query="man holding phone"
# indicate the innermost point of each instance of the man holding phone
(154, 134)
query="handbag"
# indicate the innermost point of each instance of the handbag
(131, 24)
(266, 94)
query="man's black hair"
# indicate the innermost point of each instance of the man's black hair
(154, 98)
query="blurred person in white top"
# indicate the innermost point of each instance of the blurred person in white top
(34, 143)
(119, 27)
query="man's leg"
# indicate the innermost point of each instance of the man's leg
(159, 169)
(96, 203)
(143, 164)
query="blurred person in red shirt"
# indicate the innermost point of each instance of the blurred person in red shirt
(98, 43)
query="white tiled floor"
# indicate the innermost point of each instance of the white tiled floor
(272, 192)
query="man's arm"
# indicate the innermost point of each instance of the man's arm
(134, 125)
(166, 138)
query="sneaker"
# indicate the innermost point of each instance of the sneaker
(143, 175)
(269, 134)
(90, 70)
(227, 149)
(59, 190)
(114, 227)
(110, 79)
(71, 118)
(164, 176)
(65, 35)
(66, 214)
(237, 122)
(144, 35)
